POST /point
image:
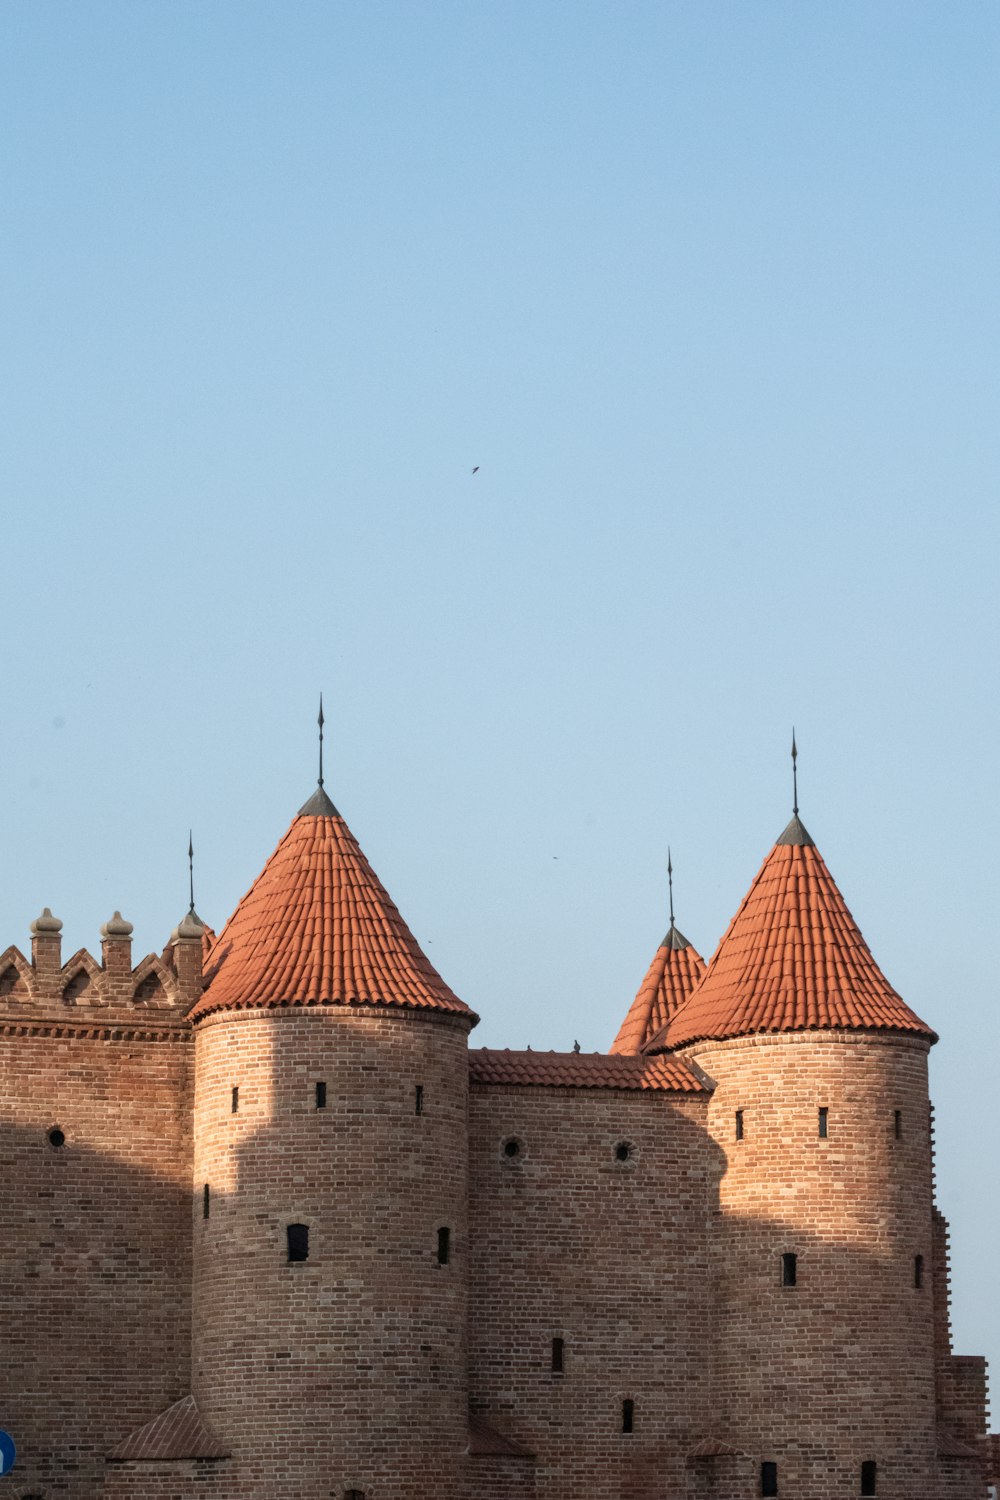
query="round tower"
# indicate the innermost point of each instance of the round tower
(330, 1151)
(677, 968)
(824, 1334)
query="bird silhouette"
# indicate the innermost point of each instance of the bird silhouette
(576, 1046)
(476, 469)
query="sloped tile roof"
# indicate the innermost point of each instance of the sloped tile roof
(582, 1070)
(178, 1432)
(676, 968)
(317, 927)
(486, 1442)
(793, 959)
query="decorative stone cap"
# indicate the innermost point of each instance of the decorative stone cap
(46, 923)
(190, 929)
(117, 927)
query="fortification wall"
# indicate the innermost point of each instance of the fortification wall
(568, 1242)
(95, 1247)
(346, 1370)
(837, 1369)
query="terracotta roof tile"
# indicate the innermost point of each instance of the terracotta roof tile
(178, 1432)
(317, 927)
(793, 959)
(676, 969)
(582, 1070)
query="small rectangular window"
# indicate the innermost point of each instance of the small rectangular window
(739, 1124)
(206, 1202)
(628, 1416)
(898, 1128)
(824, 1122)
(868, 1476)
(321, 1096)
(558, 1352)
(768, 1479)
(789, 1271)
(236, 1098)
(444, 1246)
(918, 1271)
(418, 1099)
(298, 1241)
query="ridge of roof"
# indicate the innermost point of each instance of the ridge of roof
(584, 1070)
(317, 927)
(677, 968)
(792, 959)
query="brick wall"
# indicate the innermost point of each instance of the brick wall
(612, 1257)
(347, 1370)
(95, 1250)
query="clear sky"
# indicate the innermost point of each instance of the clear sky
(708, 291)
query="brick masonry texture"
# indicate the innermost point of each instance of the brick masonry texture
(159, 1344)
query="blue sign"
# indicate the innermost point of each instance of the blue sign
(8, 1453)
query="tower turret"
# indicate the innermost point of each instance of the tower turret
(676, 969)
(825, 1328)
(330, 1185)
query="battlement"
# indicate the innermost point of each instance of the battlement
(44, 988)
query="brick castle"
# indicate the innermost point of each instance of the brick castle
(272, 1229)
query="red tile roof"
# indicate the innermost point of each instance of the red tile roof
(582, 1070)
(670, 978)
(317, 927)
(793, 959)
(178, 1432)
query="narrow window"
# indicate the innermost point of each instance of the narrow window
(898, 1129)
(769, 1479)
(918, 1271)
(236, 1098)
(206, 1202)
(789, 1271)
(321, 1096)
(354, 1495)
(558, 1348)
(298, 1241)
(444, 1246)
(868, 1473)
(739, 1124)
(418, 1099)
(824, 1122)
(628, 1416)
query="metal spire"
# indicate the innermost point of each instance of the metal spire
(319, 804)
(191, 871)
(795, 777)
(670, 883)
(320, 722)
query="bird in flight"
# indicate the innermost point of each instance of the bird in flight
(476, 469)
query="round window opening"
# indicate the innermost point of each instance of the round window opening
(623, 1151)
(56, 1137)
(512, 1148)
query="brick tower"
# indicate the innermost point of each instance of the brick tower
(824, 1337)
(330, 1171)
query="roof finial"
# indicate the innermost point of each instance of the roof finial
(191, 871)
(319, 721)
(670, 883)
(795, 776)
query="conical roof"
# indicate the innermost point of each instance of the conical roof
(317, 927)
(793, 959)
(676, 969)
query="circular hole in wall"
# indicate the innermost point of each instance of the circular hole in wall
(512, 1148)
(56, 1137)
(623, 1151)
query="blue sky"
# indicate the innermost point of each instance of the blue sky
(707, 291)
